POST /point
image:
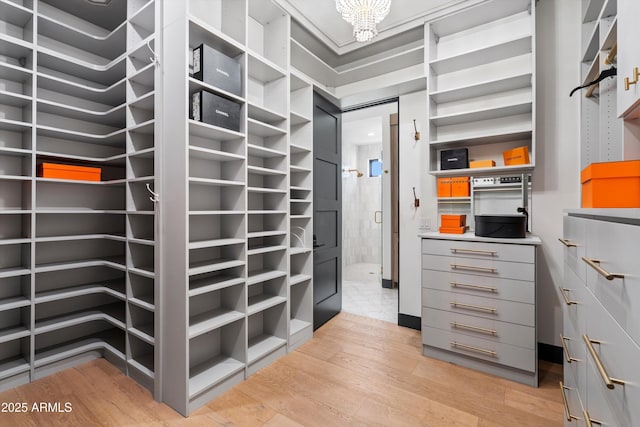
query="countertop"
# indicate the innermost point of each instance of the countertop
(623, 215)
(530, 239)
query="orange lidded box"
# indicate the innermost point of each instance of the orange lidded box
(516, 156)
(447, 220)
(58, 171)
(444, 187)
(454, 230)
(611, 185)
(460, 186)
(482, 164)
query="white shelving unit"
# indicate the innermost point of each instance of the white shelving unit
(481, 84)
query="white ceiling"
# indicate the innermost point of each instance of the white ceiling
(322, 20)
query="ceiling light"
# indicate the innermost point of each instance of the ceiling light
(371, 134)
(363, 15)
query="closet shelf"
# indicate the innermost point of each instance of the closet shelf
(262, 69)
(214, 155)
(265, 249)
(483, 114)
(217, 212)
(299, 169)
(211, 284)
(298, 325)
(114, 288)
(298, 118)
(13, 366)
(258, 234)
(106, 73)
(487, 87)
(144, 102)
(299, 201)
(14, 99)
(117, 263)
(114, 116)
(491, 135)
(264, 152)
(215, 182)
(297, 148)
(15, 73)
(212, 266)
(591, 49)
(263, 302)
(14, 178)
(114, 182)
(114, 138)
(145, 76)
(201, 244)
(144, 128)
(205, 322)
(146, 153)
(13, 333)
(265, 190)
(263, 114)
(300, 217)
(195, 85)
(260, 276)
(265, 212)
(263, 345)
(143, 242)
(15, 13)
(200, 32)
(143, 332)
(18, 152)
(78, 237)
(207, 131)
(212, 372)
(117, 160)
(13, 303)
(114, 314)
(264, 130)
(592, 10)
(144, 17)
(298, 250)
(141, 366)
(14, 125)
(485, 171)
(41, 210)
(110, 340)
(257, 170)
(298, 188)
(113, 94)
(146, 304)
(15, 211)
(14, 48)
(144, 271)
(296, 279)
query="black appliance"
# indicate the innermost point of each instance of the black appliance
(501, 226)
(215, 110)
(454, 159)
(217, 69)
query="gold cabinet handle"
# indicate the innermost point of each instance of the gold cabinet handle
(567, 412)
(563, 340)
(567, 243)
(608, 381)
(628, 82)
(472, 348)
(588, 420)
(474, 251)
(473, 307)
(474, 268)
(457, 325)
(595, 264)
(564, 291)
(475, 287)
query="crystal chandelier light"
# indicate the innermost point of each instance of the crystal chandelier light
(363, 15)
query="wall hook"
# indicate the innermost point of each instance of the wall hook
(154, 59)
(416, 134)
(155, 197)
(416, 201)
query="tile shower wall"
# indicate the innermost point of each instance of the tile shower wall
(361, 197)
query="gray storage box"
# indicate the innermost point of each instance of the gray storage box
(217, 69)
(215, 110)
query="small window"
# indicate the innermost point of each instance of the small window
(375, 167)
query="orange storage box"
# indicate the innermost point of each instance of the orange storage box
(58, 171)
(482, 164)
(454, 230)
(460, 186)
(447, 220)
(516, 156)
(444, 187)
(611, 185)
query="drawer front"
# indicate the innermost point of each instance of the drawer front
(619, 356)
(488, 329)
(616, 246)
(573, 410)
(597, 405)
(574, 355)
(488, 308)
(575, 240)
(574, 298)
(505, 354)
(480, 267)
(480, 250)
(491, 287)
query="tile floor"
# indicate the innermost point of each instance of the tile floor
(363, 294)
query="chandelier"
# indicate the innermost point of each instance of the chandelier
(363, 15)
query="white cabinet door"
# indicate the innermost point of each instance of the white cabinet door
(628, 54)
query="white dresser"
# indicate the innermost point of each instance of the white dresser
(601, 310)
(479, 303)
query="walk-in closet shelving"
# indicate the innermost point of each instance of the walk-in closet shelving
(300, 206)
(479, 64)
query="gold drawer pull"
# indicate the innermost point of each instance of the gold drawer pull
(594, 263)
(588, 420)
(567, 243)
(476, 349)
(567, 412)
(474, 268)
(608, 381)
(457, 325)
(473, 307)
(564, 291)
(566, 350)
(476, 287)
(474, 251)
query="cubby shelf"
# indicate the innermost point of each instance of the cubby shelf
(259, 151)
(263, 302)
(195, 85)
(114, 288)
(212, 266)
(208, 131)
(297, 325)
(211, 284)
(263, 345)
(112, 314)
(296, 279)
(109, 340)
(200, 244)
(482, 88)
(211, 372)
(260, 276)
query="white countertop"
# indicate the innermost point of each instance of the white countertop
(625, 215)
(530, 239)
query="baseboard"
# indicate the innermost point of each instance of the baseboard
(413, 322)
(550, 353)
(387, 283)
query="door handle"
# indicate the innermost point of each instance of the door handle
(315, 245)
(375, 217)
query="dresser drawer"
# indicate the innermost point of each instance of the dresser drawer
(488, 308)
(489, 329)
(492, 287)
(505, 354)
(574, 242)
(574, 300)
(479, 250)
(480, 267)
(619, 356)
(596, 405)
(616, 247)
(573, 410)
(574, 354)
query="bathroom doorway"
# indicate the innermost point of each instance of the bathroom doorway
(369, 249)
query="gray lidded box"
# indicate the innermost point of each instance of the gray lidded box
(215, 110)
(217, 69)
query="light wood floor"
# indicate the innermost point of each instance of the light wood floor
(356, 371)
